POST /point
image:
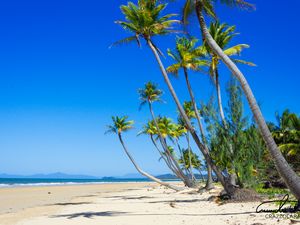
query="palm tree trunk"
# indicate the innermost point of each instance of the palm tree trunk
(195, 106)
(190, 158)
(219, 95)
(291, 179)
(182, 176)
(184, 162)
(201, 175)
(165, 158)
(143, 172)
(209, 182)
(201, 147)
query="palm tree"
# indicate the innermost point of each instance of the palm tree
(144, 20)
(121, 125)
(223, 34)
(188, 57)
(148, 95)
(202, 7)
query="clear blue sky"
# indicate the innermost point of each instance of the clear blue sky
(60, 83)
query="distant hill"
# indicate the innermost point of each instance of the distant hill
(162, 176)
(130, 176)
(49, 176)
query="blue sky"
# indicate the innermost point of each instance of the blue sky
(60, 83)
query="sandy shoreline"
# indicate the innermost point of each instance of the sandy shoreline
(120, 204)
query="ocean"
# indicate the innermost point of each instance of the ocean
(15, 182)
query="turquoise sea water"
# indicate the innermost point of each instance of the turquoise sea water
(13, 182)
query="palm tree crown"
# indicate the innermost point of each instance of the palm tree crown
(187, 56)
(189, 110)
(149, 129)
(223, 34)
(144, 20)
(119, 125)
(209, 9)
(150, 93)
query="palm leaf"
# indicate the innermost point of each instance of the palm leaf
(235, 50)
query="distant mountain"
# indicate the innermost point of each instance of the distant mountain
(130, 176)
(166, 176)
(49, 176)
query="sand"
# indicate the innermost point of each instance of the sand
(121, 204)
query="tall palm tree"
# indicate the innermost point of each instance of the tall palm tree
(189, 57)
(202, 7)
(223, 34)
(148, 95)
(121, 125)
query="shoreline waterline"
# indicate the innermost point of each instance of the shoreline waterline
(38, 182)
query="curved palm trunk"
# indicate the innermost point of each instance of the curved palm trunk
(201, 147)
(143, 172)
(184, 162)
(289, 176)
(190, 158)
(182, 176)
(209, 182)
(164, 157)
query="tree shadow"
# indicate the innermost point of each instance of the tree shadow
(70, 203)
(129, 197)
(135, 198)
(87, 196)
(89, 215)
(181, 201)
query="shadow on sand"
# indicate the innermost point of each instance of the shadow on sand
(91, 215)
(70, 203)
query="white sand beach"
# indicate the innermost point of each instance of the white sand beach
(121, 204)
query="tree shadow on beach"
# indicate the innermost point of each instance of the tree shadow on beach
(181, 201)
(129, 197)
(89, 215)
(70, 203)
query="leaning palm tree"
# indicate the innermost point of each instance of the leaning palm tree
(203, 7)
(148, 95)
(121, 125)
(144, 20)
(189, 57)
